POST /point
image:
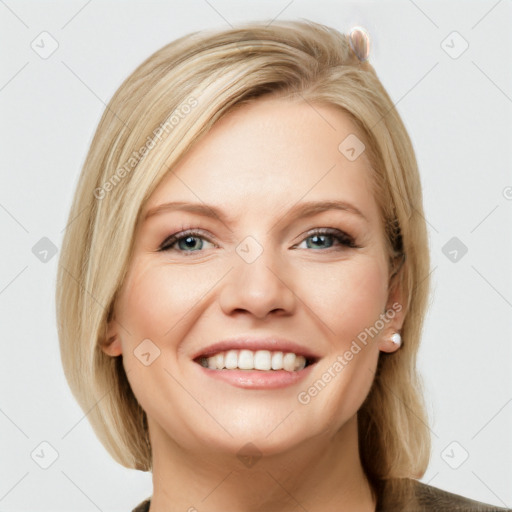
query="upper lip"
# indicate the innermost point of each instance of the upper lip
(272, 343)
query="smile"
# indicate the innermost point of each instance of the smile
(263, 360)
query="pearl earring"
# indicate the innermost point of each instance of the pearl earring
(359, 41)
(396, 339)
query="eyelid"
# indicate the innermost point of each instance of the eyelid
(342, 237)
(182, 233)
(350, 241)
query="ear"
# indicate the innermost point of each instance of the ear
(111, 344)
(396, 310)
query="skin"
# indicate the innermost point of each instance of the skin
(255, 164)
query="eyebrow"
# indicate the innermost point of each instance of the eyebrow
(300, 210)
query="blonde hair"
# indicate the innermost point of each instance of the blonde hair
(170, 101)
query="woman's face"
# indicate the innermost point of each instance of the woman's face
(264, 268)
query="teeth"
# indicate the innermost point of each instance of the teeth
(231, 361)
(219, 361)
(264, 360)
(289, 362)
(245, 360)
(277, 360)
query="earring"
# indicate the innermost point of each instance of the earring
(396, 339)
(359, 41)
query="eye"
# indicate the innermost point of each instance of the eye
(193, 240)
(188, 241)
(321, 237)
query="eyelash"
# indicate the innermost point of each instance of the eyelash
(343, 238)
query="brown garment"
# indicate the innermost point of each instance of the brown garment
(408, 495)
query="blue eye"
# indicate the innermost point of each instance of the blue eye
(187, 242)
(319, 236)
(193, 241)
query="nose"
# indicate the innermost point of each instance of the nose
(258, 287)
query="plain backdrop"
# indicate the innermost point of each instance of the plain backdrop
(447, 67)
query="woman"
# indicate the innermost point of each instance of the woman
(248, 252)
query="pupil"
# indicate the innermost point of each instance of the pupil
(189, 242)
(317, 239)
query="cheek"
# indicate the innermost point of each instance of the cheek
(157, 302)
(347, 296)
(156, 298)
(352, 298)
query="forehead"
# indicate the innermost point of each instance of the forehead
(271, 153)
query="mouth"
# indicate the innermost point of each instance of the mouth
(259, 360)
(256, 363)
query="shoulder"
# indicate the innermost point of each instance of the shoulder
(432, 498)
(143, 506)
(414, 496)
(408, 495)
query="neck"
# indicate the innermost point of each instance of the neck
(323, 474)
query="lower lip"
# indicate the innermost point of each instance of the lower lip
(258, 379)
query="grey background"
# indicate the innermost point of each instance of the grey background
(458, 110)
